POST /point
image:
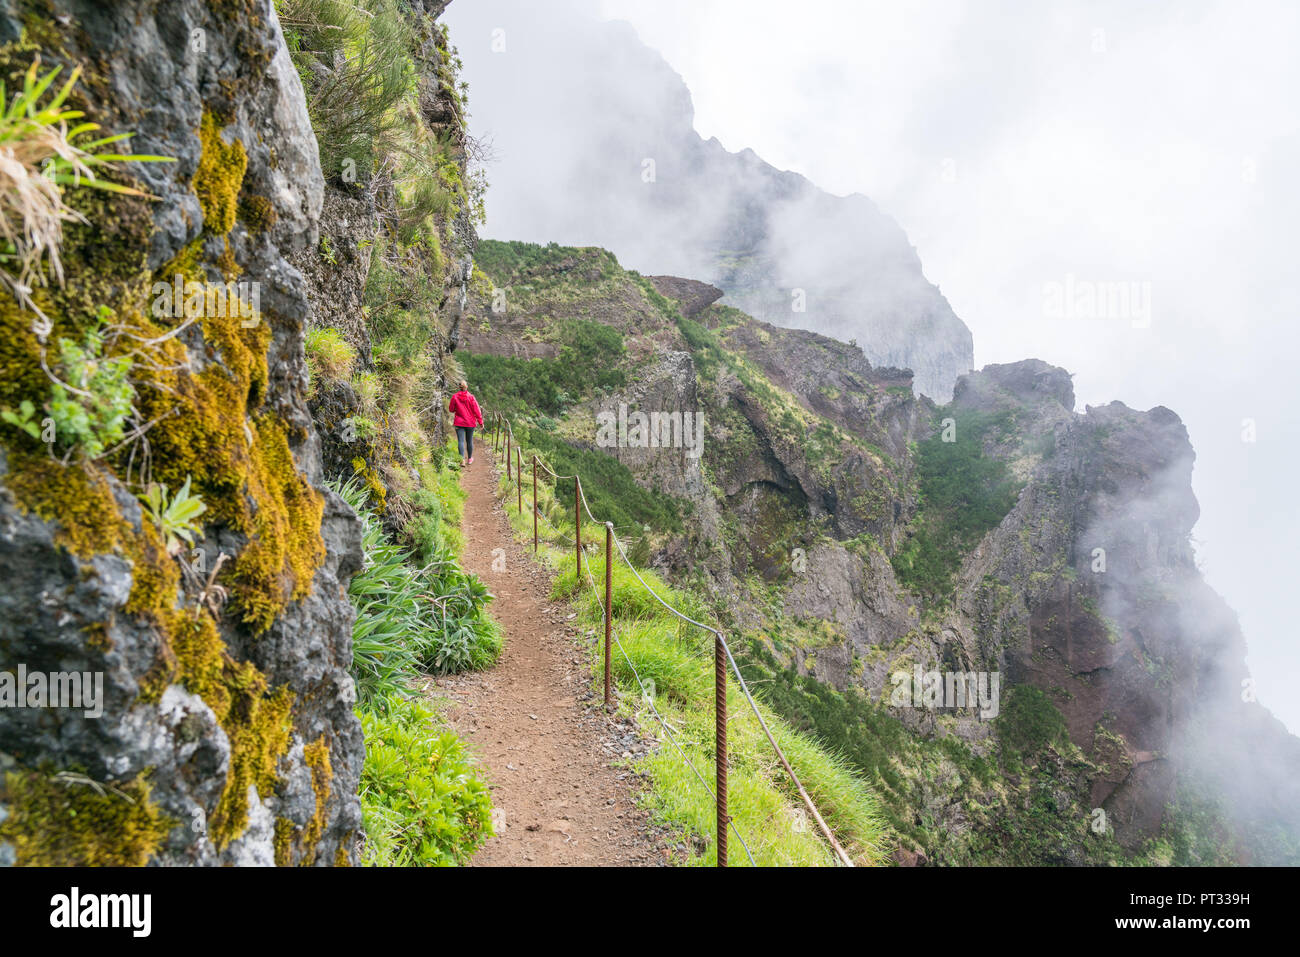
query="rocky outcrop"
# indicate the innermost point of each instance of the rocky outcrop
(227, 733)
(692, 296)
(1110, 615)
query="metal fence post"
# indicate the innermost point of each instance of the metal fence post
(534, 503)
(577, 533)
(720, 718)
(507, 452)
(609, 600)
(519, 478)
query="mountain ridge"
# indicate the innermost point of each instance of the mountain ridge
(626, 170)
(820, 519)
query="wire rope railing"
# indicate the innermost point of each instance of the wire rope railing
(724, 660)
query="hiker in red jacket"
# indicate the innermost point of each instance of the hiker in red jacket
(465, 408)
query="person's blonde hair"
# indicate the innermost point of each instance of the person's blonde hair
(464, 386)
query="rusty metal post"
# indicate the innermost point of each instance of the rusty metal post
(609, 603)
(720, 718)
(507, 453)
(519, 479)
(534, 503)
(577, 533)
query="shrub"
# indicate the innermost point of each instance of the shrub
(1029, 722)
(409, 618)
(354, 58)
(422, 800)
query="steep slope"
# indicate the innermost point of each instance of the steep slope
(856, 534)
(624, 169)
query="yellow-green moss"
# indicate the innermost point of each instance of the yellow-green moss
(317, 757)
(286, 547)
(219, 176)
(258, 727)
(378, 490)
(61, 823)
(244, 471)
(77, 497)
(193, 654)
(284, 829)
(257, 213)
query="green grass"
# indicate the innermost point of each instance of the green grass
(589, 360)
(329, 356)
(513, 261)
(963, 494)
(439, 504)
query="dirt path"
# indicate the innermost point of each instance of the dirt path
(550, 755)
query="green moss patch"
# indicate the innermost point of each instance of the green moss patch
(69, 821)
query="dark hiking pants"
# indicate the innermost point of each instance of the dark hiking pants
(465, 441)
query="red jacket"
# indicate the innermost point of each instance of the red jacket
(465, 407)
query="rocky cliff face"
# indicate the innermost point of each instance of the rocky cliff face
(227, 733)
(624, 169)
(855, 533)
(373, 265)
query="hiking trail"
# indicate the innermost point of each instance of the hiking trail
(549, 753)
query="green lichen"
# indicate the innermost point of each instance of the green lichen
(68, 821)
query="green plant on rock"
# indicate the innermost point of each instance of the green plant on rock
(24, 418)
(175, 514)
(329, 356)
(355, 61)
(40, 156)
(91, 396)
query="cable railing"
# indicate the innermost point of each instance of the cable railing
(723, 660)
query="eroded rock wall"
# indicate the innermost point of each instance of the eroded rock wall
(227, 734)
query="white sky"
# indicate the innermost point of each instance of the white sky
(1020, 143)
